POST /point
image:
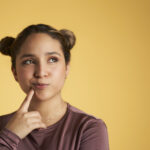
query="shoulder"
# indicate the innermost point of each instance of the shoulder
(92, 130)
(86, 120)
(4, 119)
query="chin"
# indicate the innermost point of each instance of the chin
(40, 96)
(44, 96)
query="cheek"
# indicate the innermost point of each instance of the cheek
(23, 74)
(59, 75)
(24, 80)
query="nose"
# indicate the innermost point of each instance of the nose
(41, 71)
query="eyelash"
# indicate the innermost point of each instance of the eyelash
(33, 62)
(25, 62)
(54, 58)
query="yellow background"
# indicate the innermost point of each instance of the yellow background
(110, 67)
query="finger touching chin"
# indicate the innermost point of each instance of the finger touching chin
(26, 89)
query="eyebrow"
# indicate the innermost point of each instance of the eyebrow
(32, 55)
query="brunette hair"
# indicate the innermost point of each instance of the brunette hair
(11, 46)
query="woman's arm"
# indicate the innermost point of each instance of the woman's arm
(19, 125)
(8, 140)
(95, 137)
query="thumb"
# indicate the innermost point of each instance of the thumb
(25, 105)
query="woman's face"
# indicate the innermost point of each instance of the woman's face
(41, 65)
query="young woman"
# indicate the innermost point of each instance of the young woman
(40, 57)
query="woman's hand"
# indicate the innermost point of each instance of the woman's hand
(23, 122)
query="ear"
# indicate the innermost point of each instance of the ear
(67, 69)
(14, 73)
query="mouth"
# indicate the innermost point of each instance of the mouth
(39, 86)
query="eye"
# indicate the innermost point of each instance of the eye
(53, 59)
(27, 62)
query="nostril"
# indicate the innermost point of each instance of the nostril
(36, 75)
(40, 74)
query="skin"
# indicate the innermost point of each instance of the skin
(40, 61)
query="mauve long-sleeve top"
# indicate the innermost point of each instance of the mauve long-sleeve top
(76, 130)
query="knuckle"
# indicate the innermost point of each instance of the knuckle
(37, 113)
(28, 124)
(27, 121)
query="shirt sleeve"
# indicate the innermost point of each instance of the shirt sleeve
(95, 136)
(8, 140)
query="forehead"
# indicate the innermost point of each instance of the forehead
(38, 43)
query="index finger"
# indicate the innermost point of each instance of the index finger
(25, 105)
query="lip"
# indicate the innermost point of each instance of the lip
(40, 86)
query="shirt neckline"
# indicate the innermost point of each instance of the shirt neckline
(53, 126)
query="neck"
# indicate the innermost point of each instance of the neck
(50, 110)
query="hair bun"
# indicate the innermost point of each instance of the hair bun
(5, 45)
(69, 38)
